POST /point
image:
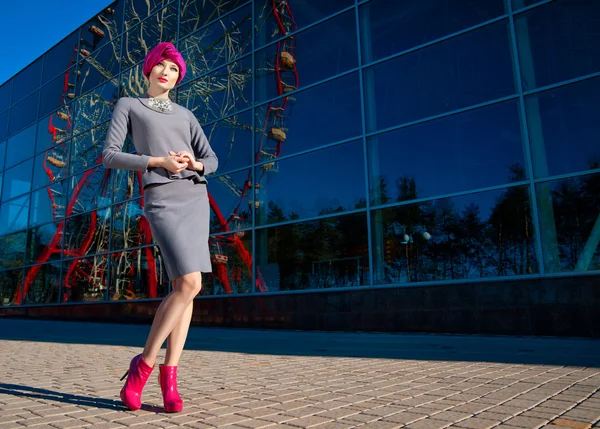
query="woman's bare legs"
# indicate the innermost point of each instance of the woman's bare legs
(170, 313)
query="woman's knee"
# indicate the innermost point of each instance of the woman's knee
(190, 284)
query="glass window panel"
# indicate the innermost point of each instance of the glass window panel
(58, 93)
(570, 223)
(24, 113)
(466, 70)
(519, 4)
(220, 93)
(194, 14)
(231, 139)
(50, 166)
(4, 124)
(223, 41)
(138, 274)
(232, 264)
(232, 199)
(138, 10)
(305, 59)
(160, 27)
(488, 234)
(86, 234)
(10, 287)
(90, 190)
(13, 214)
(134, 83)
(12, 250)
(470, 150)
(99, 67)
(336, 183)
(130, 227)
(127, 184)
(20, 146)
(564, 128)
(318, 254)
(321, 115)
(390, 26)
(48, 204)
(61, 57)
(17, 180)
(54, 129)
(44, 243)
(273, 22)
(42, 284)
(86, 149)
(27, 80)
(5, 95)
(2, 155)
(103, 27)
(84, 279)
(95, 107)
(558, 41)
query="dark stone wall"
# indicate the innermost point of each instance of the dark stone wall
(567, 306)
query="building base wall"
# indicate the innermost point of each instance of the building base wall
(568, 306)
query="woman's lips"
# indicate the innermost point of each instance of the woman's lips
(162, 79)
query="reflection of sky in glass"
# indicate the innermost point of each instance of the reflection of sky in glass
(307, 185)
(470, 150)
(13, 214)
(568, 114)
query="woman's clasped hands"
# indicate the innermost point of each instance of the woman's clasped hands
(176, 162)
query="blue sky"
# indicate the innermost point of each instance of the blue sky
(34, 26)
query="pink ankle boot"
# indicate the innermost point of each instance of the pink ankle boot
(137, 376)
(167, 379)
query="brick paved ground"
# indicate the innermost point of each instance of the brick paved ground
(66, 375)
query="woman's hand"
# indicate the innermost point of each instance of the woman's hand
(192, 164)
(174, 163)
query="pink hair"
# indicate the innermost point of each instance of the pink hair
(164, 51)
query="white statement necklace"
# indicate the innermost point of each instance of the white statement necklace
(161, 104)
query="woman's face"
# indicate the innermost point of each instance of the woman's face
(164, 75)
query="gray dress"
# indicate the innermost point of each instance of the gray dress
(176, 205)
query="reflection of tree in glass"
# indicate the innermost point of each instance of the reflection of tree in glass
(576, 204)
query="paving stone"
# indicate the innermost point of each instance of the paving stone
(476, 423)
(570, 424)
(405, 417)
(428, 424)
(527, 422)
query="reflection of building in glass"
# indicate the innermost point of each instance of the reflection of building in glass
(361, 144)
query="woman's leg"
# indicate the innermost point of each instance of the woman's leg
(170, 312)
(177, 337)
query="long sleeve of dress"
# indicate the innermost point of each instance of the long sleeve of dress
(113, 155)
(202, 150)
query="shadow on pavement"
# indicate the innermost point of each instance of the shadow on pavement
(51, 395)
(471, 348)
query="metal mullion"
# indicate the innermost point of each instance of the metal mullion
(526, 142)
(364, 145)
(310, 219)
(566, 176)
(254, 157)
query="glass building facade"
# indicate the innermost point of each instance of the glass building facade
(361, 144)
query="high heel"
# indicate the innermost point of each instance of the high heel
(137, 376)
(167, 378)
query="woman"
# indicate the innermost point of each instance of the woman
(174, 155)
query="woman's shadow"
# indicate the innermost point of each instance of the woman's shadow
(67, 398)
